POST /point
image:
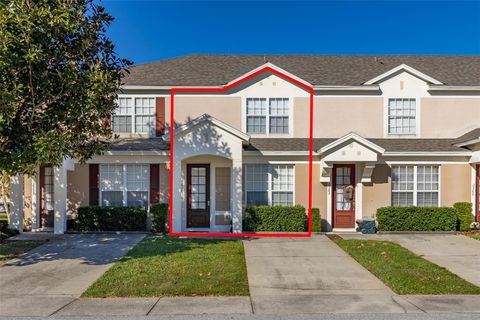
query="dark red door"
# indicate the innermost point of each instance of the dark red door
(198, 195)
(478, 193)
(46, 197)
(343, 196)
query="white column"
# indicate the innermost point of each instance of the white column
(16, 203)
(35, 200)
(237, 196)
(60, 199)
(178, 195)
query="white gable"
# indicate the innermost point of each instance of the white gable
(404, 85)
(268, 84)
(351, 151)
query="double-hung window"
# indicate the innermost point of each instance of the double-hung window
(269, 185)
(267, 115)
(402, 115)
(134, 115)
(415, 185)
(124, 185)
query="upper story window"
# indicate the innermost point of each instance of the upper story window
(134, 115)
(402, 114)
(267, 115)
(415, 185)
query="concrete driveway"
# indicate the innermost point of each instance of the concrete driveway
(313, 275)
(456, 252)
(43, 280)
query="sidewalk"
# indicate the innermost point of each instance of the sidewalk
(228, 305)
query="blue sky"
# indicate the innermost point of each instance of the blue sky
(153, 30)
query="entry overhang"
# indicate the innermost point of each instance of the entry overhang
(351, 148)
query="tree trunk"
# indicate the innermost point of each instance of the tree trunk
(5, 192)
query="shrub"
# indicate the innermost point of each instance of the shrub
(159, 214)
(94, 218)
(275, 218)
(5, 231)
(464, 215)
(316, 221)
(416, 219)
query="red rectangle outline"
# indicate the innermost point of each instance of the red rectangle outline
(310, 174)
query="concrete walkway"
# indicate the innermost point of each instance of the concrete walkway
(458, 253)
(312, 275)
(47, 278)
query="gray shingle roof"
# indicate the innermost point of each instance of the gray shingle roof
(390, 145)
(302, 144)
(207, 70)
(139, 144)
(471, 135)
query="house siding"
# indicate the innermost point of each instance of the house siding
(319, 190)
(27, 198)
(449, 117)
(225, 108)
(77, 188)
(164, 183)
(378, 193)
(334, 117)
(455, 184)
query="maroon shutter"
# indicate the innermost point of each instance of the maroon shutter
(160, 121)
(154, 183)
(93, 184)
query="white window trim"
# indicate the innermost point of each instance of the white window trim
(124, 185)
(415, 191)
(133, 115)
(267, 124)
(418, 107)
(270, 182)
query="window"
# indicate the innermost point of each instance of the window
(273, 119)
(256, 115)
(124, 185)
(402, 116)
(134, 115)
(269, 185)
(415, 186)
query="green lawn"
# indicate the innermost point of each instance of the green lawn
(403, 271)
(169, 266)
(12, 249)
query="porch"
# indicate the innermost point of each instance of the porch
(40, 201)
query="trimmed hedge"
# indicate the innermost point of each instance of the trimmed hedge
(416, 219)
(464, 215)
(95, 218)
(5, 231)
(316, 221)
(275, 218)
(159, 214)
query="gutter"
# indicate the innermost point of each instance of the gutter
(434, 88)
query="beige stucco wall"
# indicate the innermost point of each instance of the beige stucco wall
(225, 108)
(334, 117)
(455, 184)
(378, 193)
(77, 188)
(27, 198)
(164, 183)
(319, 190)
(448, 117)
